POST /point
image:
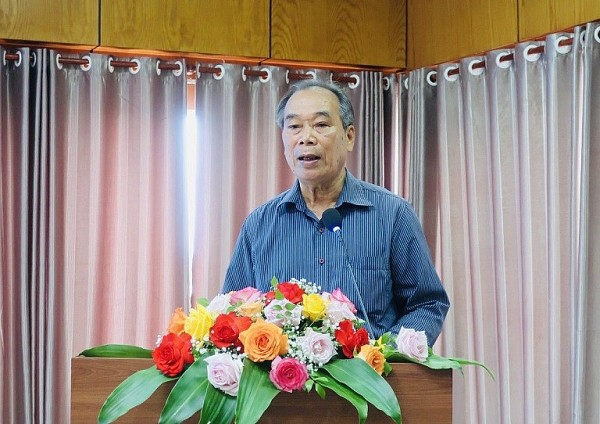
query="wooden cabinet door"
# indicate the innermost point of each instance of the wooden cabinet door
(223, 27)
(353, 32)
(62, 21)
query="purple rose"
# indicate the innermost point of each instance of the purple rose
(224, 372)
(413, 344)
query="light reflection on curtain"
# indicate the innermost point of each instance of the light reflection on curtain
(518, 224)
(240, 155)
(20, 104)
(115, 244)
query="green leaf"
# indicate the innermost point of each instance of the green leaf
(362, 379)
(255, 393)
(187, 396)
(320, 390)
(117, 351)
(274, 282)
(345, 392)
(219, 408)
(133, 391)
(202, 301)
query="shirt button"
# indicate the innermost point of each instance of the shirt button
(321, 229)
(321, 261)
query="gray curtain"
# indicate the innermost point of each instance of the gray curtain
(94, 243)
(21, 101)
(514, 155)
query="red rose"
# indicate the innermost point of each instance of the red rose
(173, 354)
(292, 292)
(350, 339)
(269, 296)
(226, 330)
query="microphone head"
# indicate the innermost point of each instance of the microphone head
(332, 219)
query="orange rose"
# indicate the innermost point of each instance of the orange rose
(177, 321)
(373, 356)
(264, 341)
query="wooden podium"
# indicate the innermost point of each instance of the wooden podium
(425, 396)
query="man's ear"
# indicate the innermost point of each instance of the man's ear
(350, 137)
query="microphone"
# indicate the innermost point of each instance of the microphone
(332, 219)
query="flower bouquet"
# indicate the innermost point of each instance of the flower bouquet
(231, 356)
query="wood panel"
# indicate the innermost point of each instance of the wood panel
(354, 32)
(425, 396)
(224, 27)
(445, 30)
(540, 17)
(64, 21)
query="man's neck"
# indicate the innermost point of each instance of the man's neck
(319, 198)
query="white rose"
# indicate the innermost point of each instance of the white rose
(219, 304)
(336, 312)
(413, 344)
(283, 312)
(224, 372)
(317, 347)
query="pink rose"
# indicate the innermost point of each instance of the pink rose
(413, 344)
(338, 295)
(288, 374)
(247, 295)
(224, 372)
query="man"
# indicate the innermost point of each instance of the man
(393, 277)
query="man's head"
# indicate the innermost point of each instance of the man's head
(346, 110)
(317, 133)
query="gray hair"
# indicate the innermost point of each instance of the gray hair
(346, 110)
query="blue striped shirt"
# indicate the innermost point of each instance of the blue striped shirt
(385, 244)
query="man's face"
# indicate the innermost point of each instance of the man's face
(314, 139)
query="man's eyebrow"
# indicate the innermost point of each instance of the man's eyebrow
(322, 113)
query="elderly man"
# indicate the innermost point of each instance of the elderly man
(382, 263)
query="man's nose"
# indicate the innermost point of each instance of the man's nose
(307, 135)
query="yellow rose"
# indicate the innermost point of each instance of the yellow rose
(313, 306)
(177, 322)
(264, 341)
(252, 310)
(198, 323)
(373, 356)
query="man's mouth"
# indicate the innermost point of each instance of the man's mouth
(308, 158)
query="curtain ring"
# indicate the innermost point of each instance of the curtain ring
(267, 78)
(135, 69)
(432, 78)
(562, 49)
(33, 59)
(501, 62)
(386, 83)
(87, 66)
(597, 34)
(178, 72)
(111, 68)
(476, 70)
(451, 77)
(58, 64)
(531, 57)
(405, 83)
(353, 85)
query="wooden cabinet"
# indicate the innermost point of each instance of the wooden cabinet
(221, 27)
(445, 30)
(64, 21)
(441, 30)
(540, 17)
(355, 32)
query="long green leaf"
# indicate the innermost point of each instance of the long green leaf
(117, 351)
(133, 391)
(345, 392)
(187, 396)
(255, 393)
(219, 408)
(361, 378)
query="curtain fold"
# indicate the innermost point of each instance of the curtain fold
(518, 220)
(111, 250)
(20, 103)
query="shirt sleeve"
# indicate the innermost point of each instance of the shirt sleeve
(240, 273)
(418, 293)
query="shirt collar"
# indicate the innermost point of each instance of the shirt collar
(352, 193)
